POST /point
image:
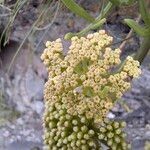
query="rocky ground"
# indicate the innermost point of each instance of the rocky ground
(21, 90)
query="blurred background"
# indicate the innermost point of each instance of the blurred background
(25, 25)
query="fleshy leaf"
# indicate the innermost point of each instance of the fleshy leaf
(142, 31)
(74, 7)
(144, 12)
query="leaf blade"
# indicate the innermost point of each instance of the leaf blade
(144, 12)
(78, 10)
(142, 31)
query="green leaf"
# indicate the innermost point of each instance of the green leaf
(88, 91)
(144, 12)
(104, 92)
(78, 10)
(115, 2)
(78, 69)
(82, 67)
(142, 31)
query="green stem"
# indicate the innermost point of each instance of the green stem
(85, 30)
(143, 50)
(100, 20)
(105, 12)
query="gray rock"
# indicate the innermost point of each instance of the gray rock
(32, 86)
(24, 145)
(38, 107)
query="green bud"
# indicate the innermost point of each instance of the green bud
(58, 124)
(56, 138)
(47, 119)
(101, 136)
(47, 135)
(74, 122)
(117, 139)
(50, 142)
(83, 141)
(84, 129)
(54, 148)
(64, 147)
(123, 135)
(75, 129)
(102, 129)
(66, 124)
(116, 125)
(73, 144)
(68, 117)
(50, 109)
(62, 119)
(110, 142)
(114, 147)
(73, 136)
(56, 116)
(59, 144)
(63, 134)
(91, 143)
(124, 144)
(118, 131)
(61, 112)
(123, 124)
(91, 132)
(110, 135)
(109, 127)
(84, 147)
(86, 136)
(79, 135)
(83, 120)
(78, 143)
(51, 117)
(52, 124)
(65, 141)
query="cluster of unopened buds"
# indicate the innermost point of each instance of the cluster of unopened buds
(82, 88)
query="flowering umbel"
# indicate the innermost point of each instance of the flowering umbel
(84, 84)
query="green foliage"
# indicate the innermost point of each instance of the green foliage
(74, 7)
(6, 33)
(122, 2)
(144, 12)
(142, 31)
(97, 24)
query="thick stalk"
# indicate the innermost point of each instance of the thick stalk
(143, 50)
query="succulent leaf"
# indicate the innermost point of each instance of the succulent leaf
(144, 12)
(142, 31)
(74, 7)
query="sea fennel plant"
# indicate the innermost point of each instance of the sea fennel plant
(82, 88)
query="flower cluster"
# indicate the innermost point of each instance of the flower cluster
(111, 132)
(81, 89)
(63, 131)
(83, 79)
(67, 132)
